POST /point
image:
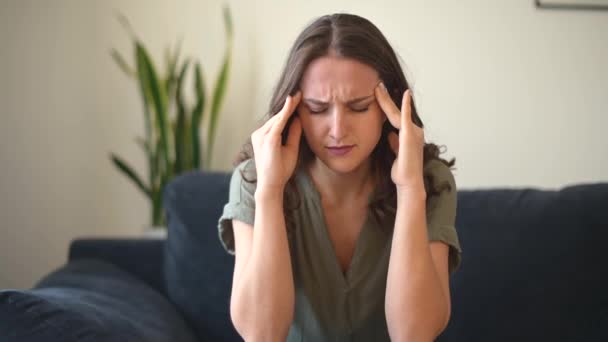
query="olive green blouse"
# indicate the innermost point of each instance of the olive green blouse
(331, 305)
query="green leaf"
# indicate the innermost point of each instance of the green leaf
(151, 156)
(145, 97)
(227, 22)
(180, 83)
(149, 79)
(180, 127)
(128, 171)
(189, 162)
(156, 161)
(157, 209)
(197, 115)
(122, 64)
(171, 79)
(173, 60)
(218, 97)
(124, 22)
(143, 144)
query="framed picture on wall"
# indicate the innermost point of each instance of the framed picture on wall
(589, 5)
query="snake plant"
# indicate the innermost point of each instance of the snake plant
(172, 142)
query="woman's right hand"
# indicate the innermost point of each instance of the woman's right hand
(274, 162)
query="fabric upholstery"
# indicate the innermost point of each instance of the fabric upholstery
(198, 271)
(89, 300)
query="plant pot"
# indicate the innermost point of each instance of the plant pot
(155, 232)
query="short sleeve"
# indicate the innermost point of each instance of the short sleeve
(441, 213)
(241, 203)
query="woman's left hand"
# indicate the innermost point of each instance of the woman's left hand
(408, 145)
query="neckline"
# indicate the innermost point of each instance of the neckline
(311, 185)
(344, 278)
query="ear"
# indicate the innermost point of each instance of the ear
(393, 141)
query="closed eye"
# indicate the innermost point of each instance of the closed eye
(316, 111)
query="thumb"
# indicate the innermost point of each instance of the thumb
(393, 141)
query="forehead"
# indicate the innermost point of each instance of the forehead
(332, 77)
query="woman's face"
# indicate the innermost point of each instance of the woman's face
(338, 108)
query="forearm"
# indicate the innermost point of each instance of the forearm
(415, 305)
(265, 289)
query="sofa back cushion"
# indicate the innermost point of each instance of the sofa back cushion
(198, 272)
(534, 265)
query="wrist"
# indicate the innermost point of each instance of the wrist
(411, 193)
(265, 193)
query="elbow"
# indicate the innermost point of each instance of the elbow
(238, 319)
(420, 333)
(254, 325)
(438, 329)
(251, 330)
(424, 329)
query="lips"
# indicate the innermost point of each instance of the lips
(339, 150)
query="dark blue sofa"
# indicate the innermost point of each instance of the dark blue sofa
(534, 268)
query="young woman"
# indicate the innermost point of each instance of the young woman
(341, 217)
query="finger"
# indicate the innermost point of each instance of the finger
(268, 124)
(295, 132)
(393, 141)
(387, 105)
(406, 109)
(290, 105)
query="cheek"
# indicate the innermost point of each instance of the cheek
(377, 120)
(374, 126)
(309, 128)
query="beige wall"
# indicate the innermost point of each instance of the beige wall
(518, 97)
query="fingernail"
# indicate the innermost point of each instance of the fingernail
(383, 87)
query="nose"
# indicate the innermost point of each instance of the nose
(338, 125)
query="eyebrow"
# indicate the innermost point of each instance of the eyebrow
(350, 102)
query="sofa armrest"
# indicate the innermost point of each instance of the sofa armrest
(140, 257)
(90, 300)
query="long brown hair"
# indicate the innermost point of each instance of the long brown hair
(349, 36)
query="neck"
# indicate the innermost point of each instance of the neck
(338, 189)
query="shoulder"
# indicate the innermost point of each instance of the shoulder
(245, 172)
(243, 180)
(441, 173)
(247, 167)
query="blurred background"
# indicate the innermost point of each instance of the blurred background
(518, 95)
